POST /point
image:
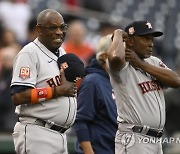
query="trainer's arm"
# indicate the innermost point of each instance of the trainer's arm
(116, 53)
(86, 147)
(65, 89)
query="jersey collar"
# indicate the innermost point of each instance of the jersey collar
(45, 50)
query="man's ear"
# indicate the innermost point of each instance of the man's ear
(102, 58)
(38, 29)
(129, 41)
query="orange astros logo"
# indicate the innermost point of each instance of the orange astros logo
(64, 65)
(131, 30)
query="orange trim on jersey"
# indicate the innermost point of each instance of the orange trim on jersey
(41, 94)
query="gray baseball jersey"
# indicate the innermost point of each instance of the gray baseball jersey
(139, 96)
(36, 66)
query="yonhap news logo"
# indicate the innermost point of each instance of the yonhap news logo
(166, 140)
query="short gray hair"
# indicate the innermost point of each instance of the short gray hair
(103, 46)
(43, 14)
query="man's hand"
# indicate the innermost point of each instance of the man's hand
(66, 88)
(119, 33)
(132, 58)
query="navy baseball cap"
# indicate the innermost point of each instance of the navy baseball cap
(140, 28)
(72, 65)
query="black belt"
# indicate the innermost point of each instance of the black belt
(55, 127)
(150, 132)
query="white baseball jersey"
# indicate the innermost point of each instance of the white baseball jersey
(36, 66)
(139, 97)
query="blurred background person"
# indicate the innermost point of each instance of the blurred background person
(31, 31)
(15, 16)
(7, 115)
(76, 41)
(9, 40)
(9, 47)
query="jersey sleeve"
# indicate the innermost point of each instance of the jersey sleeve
(157, 62)
(24, 70)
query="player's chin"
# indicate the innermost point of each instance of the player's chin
(56, 45)
(147, 55)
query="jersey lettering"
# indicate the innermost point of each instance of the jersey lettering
(54, 82)
(162, 65)
(149, 86)
(58, 80)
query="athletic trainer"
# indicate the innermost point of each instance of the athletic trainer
(96, 120)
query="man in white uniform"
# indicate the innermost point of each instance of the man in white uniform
(137, 78)
(45, 101)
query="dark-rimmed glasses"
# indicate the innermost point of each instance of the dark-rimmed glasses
(62, 27)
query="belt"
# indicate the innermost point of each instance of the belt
(150, 132)
(49, 125)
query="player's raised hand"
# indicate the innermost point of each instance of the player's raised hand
(119, 33)
(66, 88)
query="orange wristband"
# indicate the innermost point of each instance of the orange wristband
(41, 94)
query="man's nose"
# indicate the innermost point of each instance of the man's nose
(58, 30)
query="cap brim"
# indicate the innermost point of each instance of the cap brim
(154, 33)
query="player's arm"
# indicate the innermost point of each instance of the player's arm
(36, 95)
(163, 75)
(116, 53)
(86, 147)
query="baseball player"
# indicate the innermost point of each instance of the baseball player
(137, 78)
(44, 99)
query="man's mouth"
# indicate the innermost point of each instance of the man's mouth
(59, 40)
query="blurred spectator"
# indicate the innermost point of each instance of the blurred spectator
(108, 28)
(8, 39)
(9, 47)
(75, 42)
(104, 29)
(15, 16)
(7, 115)
(31, 32)
(1, 33)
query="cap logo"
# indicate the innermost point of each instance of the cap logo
(131, 30)
(64, 65)
(149, 25)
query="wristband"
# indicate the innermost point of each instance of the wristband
(41, 94)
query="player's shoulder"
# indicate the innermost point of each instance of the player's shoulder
(93, 79)
(28, 51)
(153, 59)
(28, 48)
